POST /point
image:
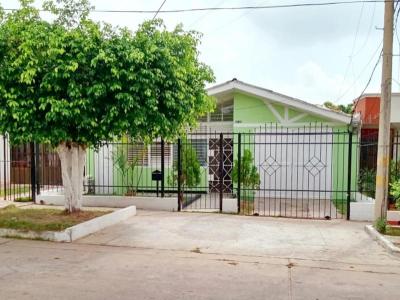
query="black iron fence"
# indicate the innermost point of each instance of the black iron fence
(309, 172)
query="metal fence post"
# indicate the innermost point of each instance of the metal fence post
(179, 175)
(162, 167)
(33, 171)
(221, 170)
(349, 163)
(239, 167)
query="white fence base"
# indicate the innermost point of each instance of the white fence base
(149, 203)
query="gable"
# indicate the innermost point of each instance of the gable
(251, 109)
(257, 105)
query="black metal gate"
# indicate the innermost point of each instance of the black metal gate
(311, 172)
(282, 172)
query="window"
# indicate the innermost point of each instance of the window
(138, 152)
(155, 154)
(201, 148)
(223, 112)
(150, 155)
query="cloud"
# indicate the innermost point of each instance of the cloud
(314, 84)
(309, 25)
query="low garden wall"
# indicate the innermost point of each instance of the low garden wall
(149, 203)
(362, 209)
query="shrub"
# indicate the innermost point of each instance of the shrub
(191, 168)
(249, 177)
(395, 192)
(380, 225)
(366, 182)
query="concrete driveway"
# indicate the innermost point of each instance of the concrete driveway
(334, 240)
(158, 255)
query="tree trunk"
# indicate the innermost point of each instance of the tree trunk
(72, 157)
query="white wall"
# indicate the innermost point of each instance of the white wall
(103, 170)
(4, 160)
(395, 109)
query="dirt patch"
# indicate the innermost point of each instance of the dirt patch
(196, 250)
(43, 219)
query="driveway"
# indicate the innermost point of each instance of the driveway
(334, 240)
(158, 255)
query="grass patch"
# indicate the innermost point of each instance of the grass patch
(37, 219)
(23, 199)
(341, 206)
(393, 231)
(15, 190)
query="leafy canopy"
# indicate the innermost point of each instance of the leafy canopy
(74, 80)
(346, 108)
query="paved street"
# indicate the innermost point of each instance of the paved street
(159, 255)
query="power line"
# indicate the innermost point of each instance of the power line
(376, 65)
(352, 48)
(162, 4)
(362, 71)
(184, 10)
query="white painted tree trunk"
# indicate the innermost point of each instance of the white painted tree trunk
(72, 157)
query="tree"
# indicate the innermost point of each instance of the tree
(348, 108)
(249, 177)
(190, 165)
(75, 83)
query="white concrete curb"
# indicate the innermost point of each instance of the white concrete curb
(148, 203)
(382, 240)
(75, 232)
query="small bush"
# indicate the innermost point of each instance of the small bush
(366, 182)
(380, 225)
(395, 192)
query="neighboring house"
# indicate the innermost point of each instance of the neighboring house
(292, 141)
(367, 111)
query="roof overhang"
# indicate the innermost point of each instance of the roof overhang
(227, 88)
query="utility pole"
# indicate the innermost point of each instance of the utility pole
(383, 161)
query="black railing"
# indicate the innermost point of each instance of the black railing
(309, 172)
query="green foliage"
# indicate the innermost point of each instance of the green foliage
(126, 167)
(348, 109)
(395, 192)
(249, 177)
(367, 177)
(191, 168)
(75, 80)
(394, 171)
(380, 225)
(23, 199)
(366, 182)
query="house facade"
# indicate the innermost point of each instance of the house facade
(300, 149)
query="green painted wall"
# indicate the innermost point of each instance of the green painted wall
(249, 109)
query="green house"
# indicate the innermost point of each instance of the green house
(300, 150)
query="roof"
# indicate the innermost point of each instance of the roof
(235, 85)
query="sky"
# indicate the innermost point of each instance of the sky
(316, 54)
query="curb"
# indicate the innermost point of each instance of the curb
(75, 232)
(382, 240)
